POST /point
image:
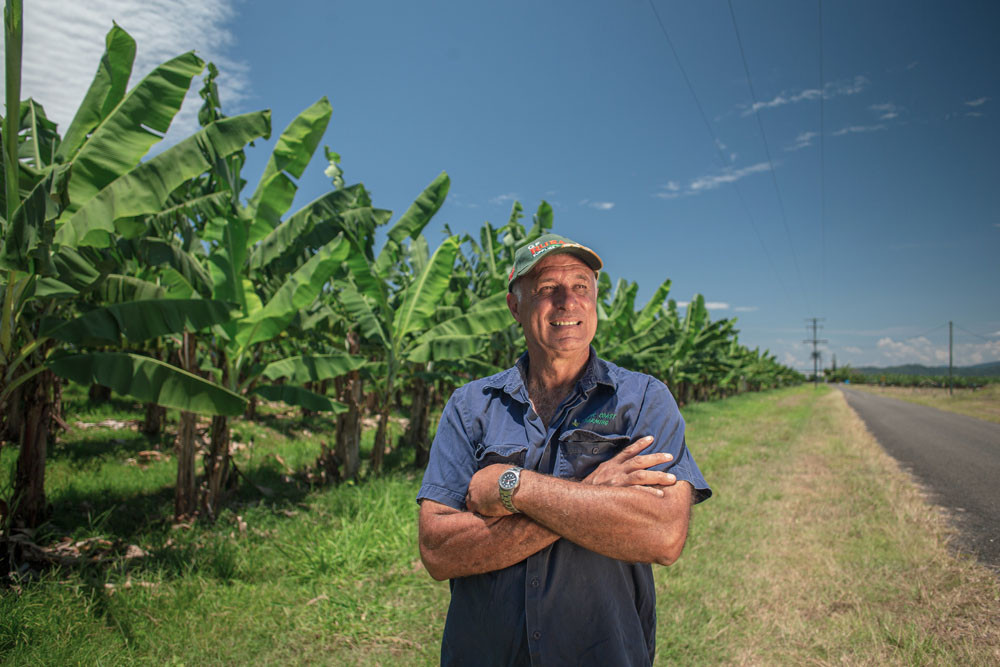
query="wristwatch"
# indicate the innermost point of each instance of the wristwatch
(508, 482)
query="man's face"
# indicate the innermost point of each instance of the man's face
(557, 306)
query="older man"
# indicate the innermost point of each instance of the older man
(553, 485)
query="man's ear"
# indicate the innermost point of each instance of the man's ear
(513, 305)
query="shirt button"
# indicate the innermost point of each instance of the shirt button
(535, 582)
(536, 635)
(594, 450)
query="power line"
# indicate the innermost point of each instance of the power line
(930, 330)
(767, 149)
(973, 333)
(718, 148)
(822, 164)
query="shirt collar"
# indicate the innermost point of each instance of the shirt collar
(511, 380)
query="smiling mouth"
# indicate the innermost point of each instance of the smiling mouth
(566, 323)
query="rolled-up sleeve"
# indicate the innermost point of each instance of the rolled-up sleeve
(452, 459)
(660, 418)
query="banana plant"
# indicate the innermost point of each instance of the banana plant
(67, 202)
(273, 266)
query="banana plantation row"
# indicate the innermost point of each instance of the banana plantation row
(170, 281)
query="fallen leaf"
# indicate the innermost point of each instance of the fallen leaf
(316, 599)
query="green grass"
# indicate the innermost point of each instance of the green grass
(814, 549)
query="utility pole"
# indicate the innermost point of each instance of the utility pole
(816, 342)
(951, 384)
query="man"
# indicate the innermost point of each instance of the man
(548, 494)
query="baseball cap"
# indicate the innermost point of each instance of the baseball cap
(549, 244)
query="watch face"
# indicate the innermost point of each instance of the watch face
(508, 480)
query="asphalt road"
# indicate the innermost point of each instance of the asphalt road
(956, 458)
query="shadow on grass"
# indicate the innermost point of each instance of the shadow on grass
(101, 444)
(291, 426)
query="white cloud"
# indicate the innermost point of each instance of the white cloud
(804, 140)
(857, 129)
(710, 305)
(913, 64)
(728, 175)
(853, 350)
(672, 189)
(63, 43)
(746, 309)
(974, 114)
(830, 90)
(920, 350)
(599, 205)
(977, 102)
(886, 111)
(502, 199)
(793, 361)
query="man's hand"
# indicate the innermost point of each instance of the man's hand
(629, 468)
(483, 496)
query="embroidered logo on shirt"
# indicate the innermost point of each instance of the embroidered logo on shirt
(598, 418)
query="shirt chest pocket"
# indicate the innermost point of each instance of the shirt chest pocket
(487, 454)
(584, 450)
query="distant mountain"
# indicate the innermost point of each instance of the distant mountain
(990, 369)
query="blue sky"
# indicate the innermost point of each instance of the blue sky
(868, 200)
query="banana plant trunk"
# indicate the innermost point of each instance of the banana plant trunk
(185, 493)
(378, 450)
(420, 412)
(29, 508)
(348, 433)
(152, 423)
(217, 463)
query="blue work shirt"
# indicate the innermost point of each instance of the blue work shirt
(564, 605)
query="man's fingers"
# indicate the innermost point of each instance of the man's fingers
(652, 478)
(652, 489)
(636, 447)
(649, 460)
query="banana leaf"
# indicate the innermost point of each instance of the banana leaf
(360, 311)
(119, 289)
(139, 320)
(413, 222)
(287, 236)
(298, 291)
(105, 92)
(148, 380)
(186, 269)
(127, 133)
(653, 307)
(313, 368)
(144, 190)
(425, 293)
(292, 153)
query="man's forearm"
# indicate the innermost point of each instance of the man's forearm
(458, 544)
(620, 522)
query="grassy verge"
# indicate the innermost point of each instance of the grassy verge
(983, 403)
(815, 549)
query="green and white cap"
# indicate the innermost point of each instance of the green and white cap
(549, 244)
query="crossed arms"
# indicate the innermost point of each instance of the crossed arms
(622, 510)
